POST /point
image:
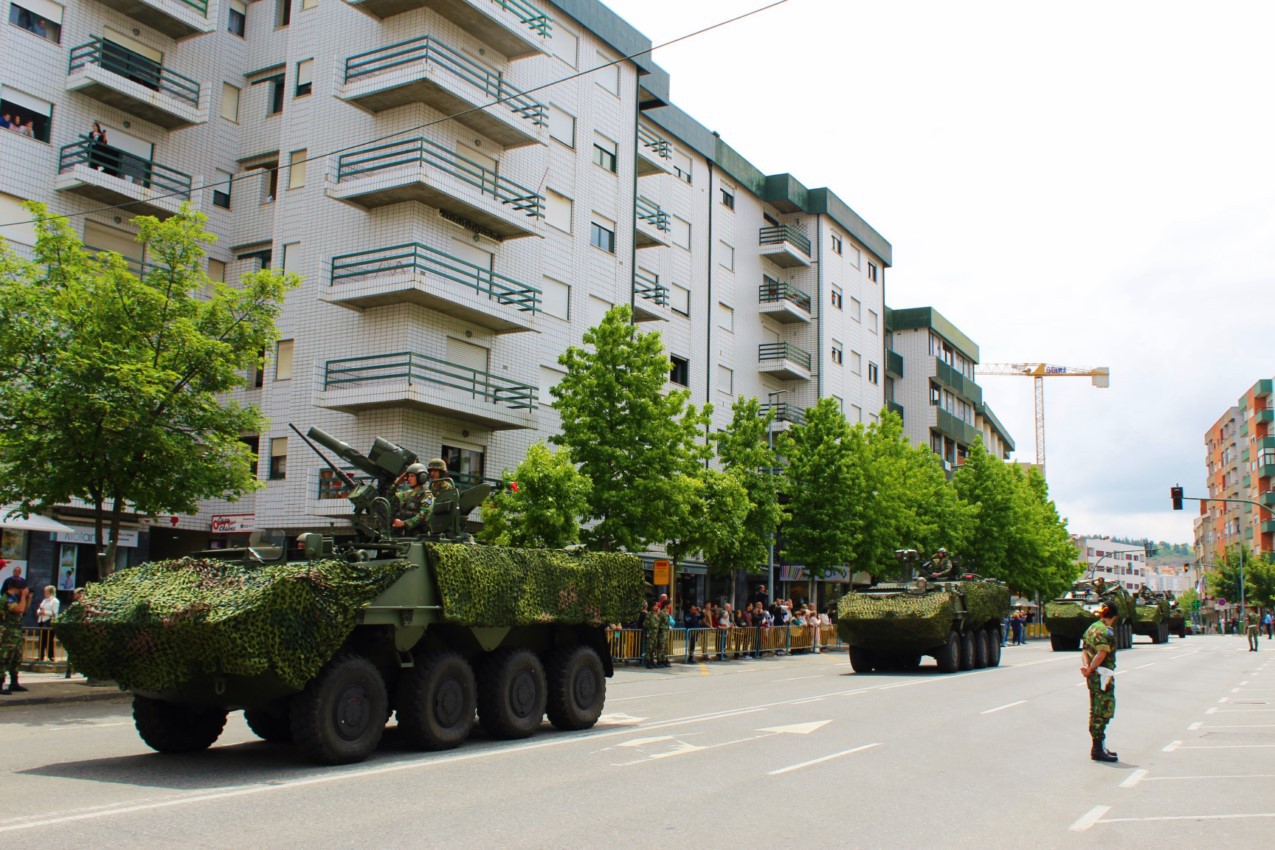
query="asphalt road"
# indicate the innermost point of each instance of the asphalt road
(778, 752)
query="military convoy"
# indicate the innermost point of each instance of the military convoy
(1069, 615)
(1151, 614)
(320, 649)
(954, 617)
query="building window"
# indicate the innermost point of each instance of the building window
(296, 168)
(728, 199)
(836, 297)
(464, 465)
(263, 256)
(274, 101)
(856, 309)
(562, 126)
(725, 317)
(602, 237)
(872, 272)
(565, 45)
(309, 4)
(856, 413)
(221, 191)
(230, 102)
(607, 75)
(28, 116)
(682, 166)
(278, 458)
(558, 211)
(216, 271)
(604, 154)
(872, 321)
(856, 362)
(679, 371)
(680, 232)
(555, 298)
(270, 181)
(283, 360)
(837, 355)
(283, 13)
(238, 21)
(305, 77)
(679, 299)
(837, 246)
(38, 17)
(725, 380)
(874, 374)
(727, 256)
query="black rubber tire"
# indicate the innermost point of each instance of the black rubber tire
(436, 700)
(981, 653)
(1164, 633)
(577, 688)
(967, 650)
(861, 660)
(275, 727)
(167, 727)
(993, 646)
(512, 693)
(340, 716)
(1182, 631)
(949, 657)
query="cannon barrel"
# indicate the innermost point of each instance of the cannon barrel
(348, 453)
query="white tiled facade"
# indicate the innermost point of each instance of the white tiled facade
(1116, 562)
(425, 241)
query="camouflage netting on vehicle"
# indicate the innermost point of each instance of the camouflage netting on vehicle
(159, 625)
(985, 602)
(1067, 619)
(498, 586)
(1148, 614)
(864, 618)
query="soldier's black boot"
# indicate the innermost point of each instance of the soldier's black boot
(4, 691)
(14, 687)
(1099, 753)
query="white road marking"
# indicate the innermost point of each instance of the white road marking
(1195, 727)
(1241, 726)
(1003, 707)
(1224, 699)
(799, 678)
(1171, 746)
(640, 742)
(1183, 655)
(798, 728)
(618, 719)
(1089, 818)
(1232, 747)
(1243, 683)
(1140, 666)
(1217, 776)
(647, 696)
(821, 759)
(1212, 710)
(1134, 778)
(1190, 817)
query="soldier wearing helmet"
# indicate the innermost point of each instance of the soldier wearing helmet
(446, 511)
(414, 505)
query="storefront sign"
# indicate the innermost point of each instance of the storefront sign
(663, 573)
(234, 523)
(86, 534)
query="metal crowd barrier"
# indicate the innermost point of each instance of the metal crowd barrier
(693, 645)
(39, 644)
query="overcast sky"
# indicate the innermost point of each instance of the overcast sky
(1083, 185)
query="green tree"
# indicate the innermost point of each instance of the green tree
(714, 508)
(745, 450)
(112, 385)
(985, 485)
(1049, 556)
(632, 440)
(824, 487)
(544, 505)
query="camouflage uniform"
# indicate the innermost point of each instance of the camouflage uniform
(10, 644)
(1251, 629)
(1102, 702)
(414, 508)
(650, 637)
(661, 638)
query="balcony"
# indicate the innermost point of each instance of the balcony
(957, 382)
(516, 28)
(134, 84)
(1267, 498)
(174, 18)
(425, 70)
(783, 360)
(406, 379)
(895, 407)
(1268, 526)
(785, 246)
(655, 153)
(652, 224)
(110, 176)
(650, 302)
(893, 363)
(954, 427)
(417, 274)
(425, 171)
(1264, 414)
(782, 301)
(786, 415)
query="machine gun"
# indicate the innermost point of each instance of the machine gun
(373, 502)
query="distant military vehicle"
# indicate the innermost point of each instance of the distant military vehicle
(1151, 615)
(320, 651)
(1069, 615)
(1177, 617)
(953, 616)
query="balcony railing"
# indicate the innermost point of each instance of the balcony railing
(117, 163)
(135, 67)
(654, 144)
(421, 368)
(650, 212)
(893, 363)
(536, 20)
(773, 291)
(785, 412)
(413, 255)
(784, 351)
(421, 151)
(429, 49)
(200, 6)
(779, 234)
(649, 288)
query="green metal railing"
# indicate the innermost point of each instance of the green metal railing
(893, 363)
(779, 234)
(654, 143)
(427, 48)
(539, 23)
(413, 255)
(136, 266)
(136, 67)
(117, 163)
(896, 407)
(200, 6)
(650, 212)
(785, 412)
(784, 351)
(953, 378)
(649, 287)
(421, 368)
(772, 291)
(370, 160)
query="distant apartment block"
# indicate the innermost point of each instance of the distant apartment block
(1239, 458)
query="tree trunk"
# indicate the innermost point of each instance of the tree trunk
(107, 562)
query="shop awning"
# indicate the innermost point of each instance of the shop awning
(35, 522)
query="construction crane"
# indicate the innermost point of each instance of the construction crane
(1100, 376)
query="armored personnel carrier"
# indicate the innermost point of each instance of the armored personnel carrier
(322, 649)
(1177, 617)
(1069, 615)
(953, 616)
(1151, 614)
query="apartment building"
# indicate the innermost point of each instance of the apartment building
(930, 383)
(451, 248)
(1239, 458)
(1121, 563)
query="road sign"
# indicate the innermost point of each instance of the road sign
(1195, 606)
(1221, 602)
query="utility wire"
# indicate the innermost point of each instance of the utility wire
(253, 172)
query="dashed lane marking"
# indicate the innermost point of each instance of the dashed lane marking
(1195, 727)
(1171, 746)
(1089, 818)
(1134, 778)
(821, 759)
(1003, 707)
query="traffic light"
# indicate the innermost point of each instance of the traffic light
(1176, 494)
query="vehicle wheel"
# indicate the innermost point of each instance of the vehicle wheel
(436, 700)
(511, 693)
(967, 650)
(949, 657)
(981, 653)
(272, 726)
(993, 646)
(1058, 643)
(1182, 631)
(1128, 635)
(168, 727)
(861, 660)
(1164, 633)
(340, 716)
(577, 688)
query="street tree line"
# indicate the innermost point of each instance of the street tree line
(1258, 569)
(636, 466)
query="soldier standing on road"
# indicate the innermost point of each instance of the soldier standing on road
(414, 506)
(663, 623)
(651, 635)
(1098, 667)
(14, 598)
(1251, 629)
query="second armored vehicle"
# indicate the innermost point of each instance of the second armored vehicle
(1069, 615)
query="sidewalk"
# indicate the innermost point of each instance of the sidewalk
(54, 687)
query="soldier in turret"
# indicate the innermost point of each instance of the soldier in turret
(940, 564)
(414, 505)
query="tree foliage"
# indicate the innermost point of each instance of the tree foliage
(1259, 577)
(824, 487)
(544, 506)
(745, 450)
(112, 385)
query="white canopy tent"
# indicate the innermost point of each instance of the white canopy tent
(9, 518)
